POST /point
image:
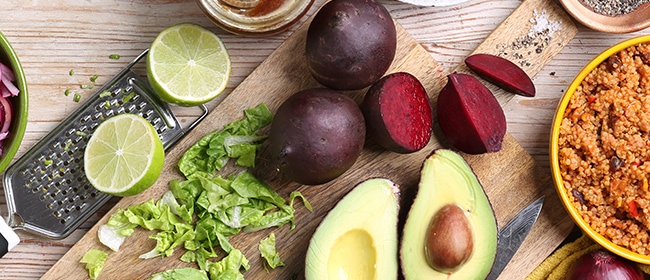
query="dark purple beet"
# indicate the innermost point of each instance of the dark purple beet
(501, 72)
(350, 43)
(316, 135)
(470, 116)
(398, 113)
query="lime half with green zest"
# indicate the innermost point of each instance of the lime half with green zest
(188, 65)
(124, 155)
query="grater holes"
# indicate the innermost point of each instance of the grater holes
(108, 114)
(97, 117)
(70, 132)
(140, 106)
(147, 114)
(44, 177)
(84, 119)
(130, 109)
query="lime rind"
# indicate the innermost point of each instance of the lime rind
(188, 65)
(124, 156)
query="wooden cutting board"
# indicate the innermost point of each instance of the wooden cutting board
(511, 177)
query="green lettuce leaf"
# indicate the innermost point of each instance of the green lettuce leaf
(269, 253)
(94, 260)
(185, 273)
(236, 140)
(229, 267)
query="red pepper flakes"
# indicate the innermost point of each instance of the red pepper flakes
(633, 209)
(591, 99)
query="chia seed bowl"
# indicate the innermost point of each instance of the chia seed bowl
(611, 16)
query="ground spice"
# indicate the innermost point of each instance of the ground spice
(538, 37)
(613, 7)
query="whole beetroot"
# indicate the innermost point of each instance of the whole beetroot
(316, 135)
(350, 43)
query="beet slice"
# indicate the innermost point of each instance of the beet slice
(470, 116)
(501, 72)
(398, 113)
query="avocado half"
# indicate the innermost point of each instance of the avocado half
(447, 180)
(358, 237)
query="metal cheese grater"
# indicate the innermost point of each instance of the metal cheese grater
(46, 190)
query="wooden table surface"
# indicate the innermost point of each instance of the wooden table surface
(55, 36)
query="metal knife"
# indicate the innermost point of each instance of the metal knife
(513, 234)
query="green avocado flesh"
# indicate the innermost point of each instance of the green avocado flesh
(446, 179)
(358, 237)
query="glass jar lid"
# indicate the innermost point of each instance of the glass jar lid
(255, 17)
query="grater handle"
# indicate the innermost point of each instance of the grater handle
(8, 238)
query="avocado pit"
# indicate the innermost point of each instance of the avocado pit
(449, 242)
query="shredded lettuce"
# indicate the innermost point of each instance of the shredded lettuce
(94, 260)
(229, 267)
(185, 273)
(202, 211)
(236, 140)
(269, 253)
(222, 207)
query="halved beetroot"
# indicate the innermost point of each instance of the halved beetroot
(398, 113)
(470, 116)
(501, 72)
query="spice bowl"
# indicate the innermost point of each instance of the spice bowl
(589, 161)
(19, 104)
(613, 22)
(255, 18)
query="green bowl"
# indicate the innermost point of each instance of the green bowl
(19, 104)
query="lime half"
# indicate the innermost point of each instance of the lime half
(124, 156)
(188, 65)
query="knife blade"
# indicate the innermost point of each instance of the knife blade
(513, 234)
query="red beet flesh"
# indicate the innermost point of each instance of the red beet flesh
(501, 72)
(470, 116)
(398, 113)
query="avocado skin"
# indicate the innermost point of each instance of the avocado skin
(446, 178)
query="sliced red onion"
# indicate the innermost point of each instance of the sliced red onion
(8, 88)
(7, 73)
(7, 113)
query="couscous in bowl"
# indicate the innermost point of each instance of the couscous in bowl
(600, 143)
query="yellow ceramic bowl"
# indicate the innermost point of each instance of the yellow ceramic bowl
(19, 104)
(555, 168)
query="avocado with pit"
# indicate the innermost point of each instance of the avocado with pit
(451, 230)
(358, 239)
